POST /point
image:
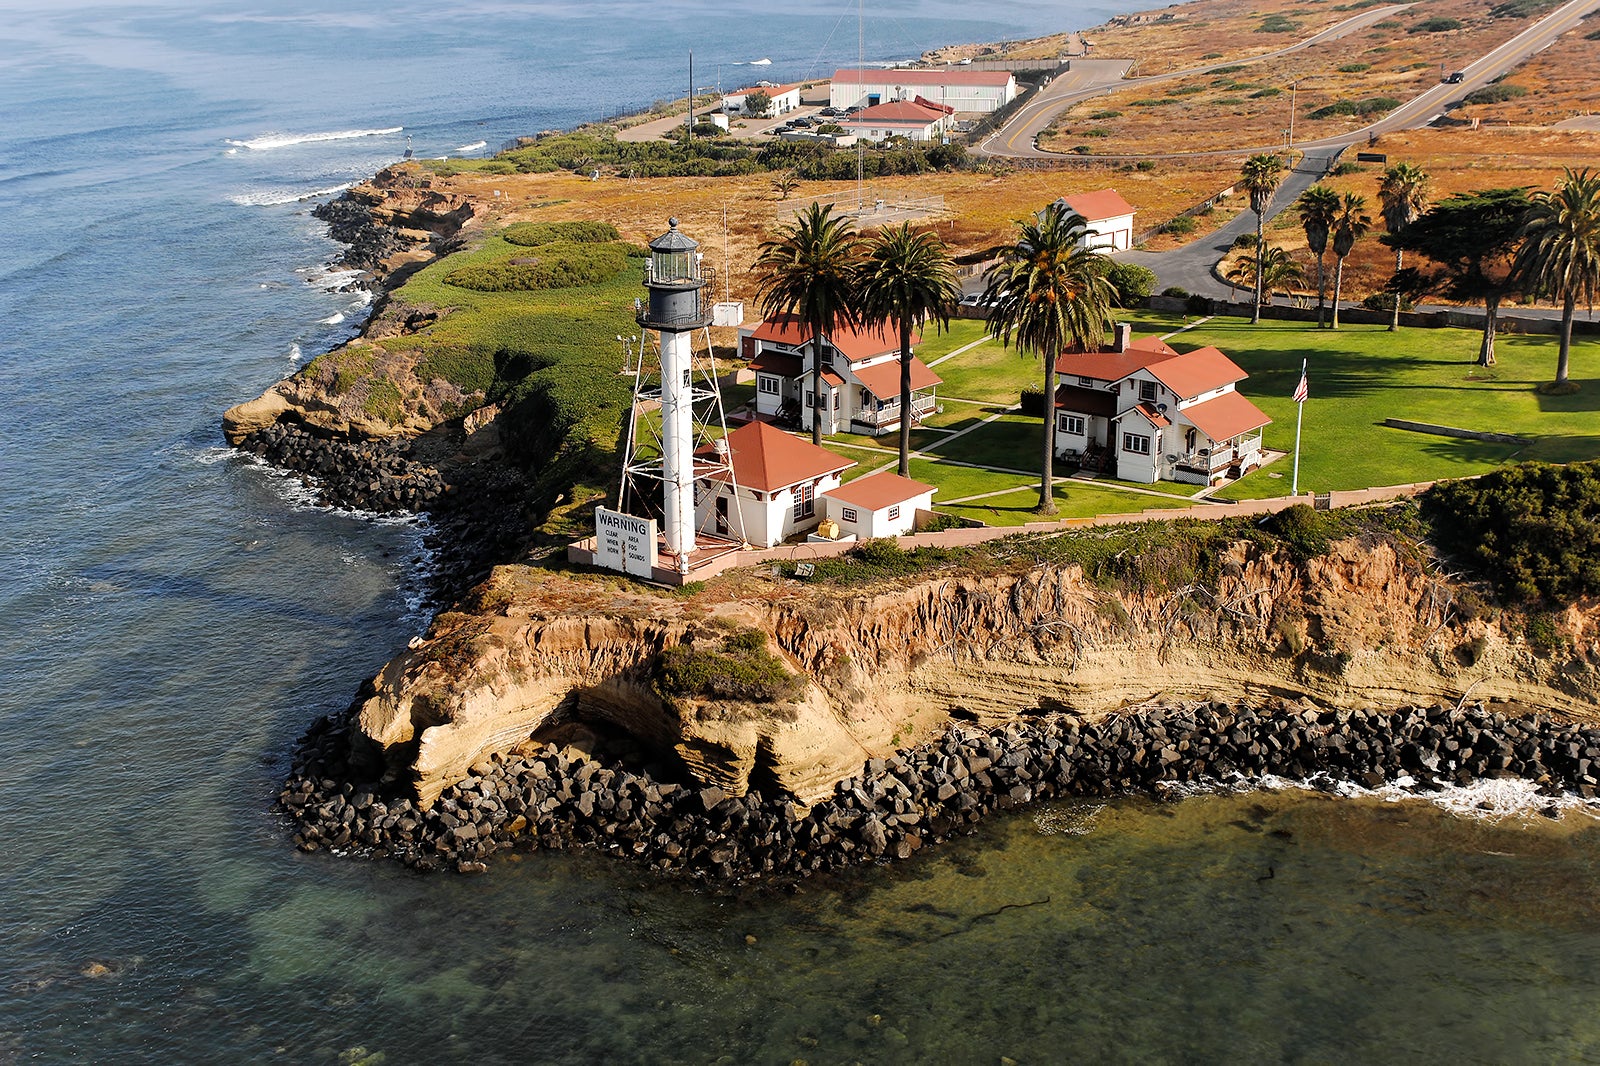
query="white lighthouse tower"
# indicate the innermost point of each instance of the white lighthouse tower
(680, 447)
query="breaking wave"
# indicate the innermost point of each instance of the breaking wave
(276, 197)
(270, 141)
(473, 147)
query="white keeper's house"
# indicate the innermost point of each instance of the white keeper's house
(860, 377)
(1145, 412)
(773, 489)
(957, 89)
(1109, 218)
(785, 98)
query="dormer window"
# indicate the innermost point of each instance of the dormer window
(1147, 391)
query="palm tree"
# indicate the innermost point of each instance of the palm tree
(809, 272)
(905, 278)
(1349, 226)
(1260, 177)
(1560, 252)
(1402, 197)
(1050, 292)
(1318, 207)
(1277, 267)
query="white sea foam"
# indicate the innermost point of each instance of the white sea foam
(333, 319)
(267, 142)
(1490, 799)
(294, 353)
(330, 279)
(278, 197)
(218, 453)
(473, 147)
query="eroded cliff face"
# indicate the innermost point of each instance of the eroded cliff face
(1365, 625)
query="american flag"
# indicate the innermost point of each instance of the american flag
(1300, 390)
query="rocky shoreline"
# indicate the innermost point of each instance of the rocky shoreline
(550, 798)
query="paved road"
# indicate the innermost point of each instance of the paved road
(1101, 77)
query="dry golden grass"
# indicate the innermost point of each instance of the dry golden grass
(1251, 106)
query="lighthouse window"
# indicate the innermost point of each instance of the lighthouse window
(768, 385)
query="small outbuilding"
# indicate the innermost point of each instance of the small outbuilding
(1109, 218)
(773, 488)
(878, 505)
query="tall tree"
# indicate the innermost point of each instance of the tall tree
(1560, 253)
(1349, 226)
(1260, 177)
(906, 278)
(1473, 237)
(809, 271)
(1049, 293)
(1318, 206)
(1402, 197)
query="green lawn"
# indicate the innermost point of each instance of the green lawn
(961, 331)
(1364, 374)
(1074, 499)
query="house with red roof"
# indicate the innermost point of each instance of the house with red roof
(878, 505)
(1109, 218)
(916, 120)
(772, 487)
(958, 89)
(1146, 412)
(860, 376)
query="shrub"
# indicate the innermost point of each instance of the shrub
(1533, 530)
(1151, 101)
(1244, 240)
(1377, 105)
(1132, 283)
(1345, 168)
(384, 402)
(1176, 292)
(1197, 305)
(1522, 9)
(1186, 90)
(1304, 531)
(1494, 94)
(1179, 226)
(1262, 94)
(537, 234)
(562, 265)
(1386, 24)
(1102, 115)
(738, 667)
(1277, 24)
(1097, 132)
(1354, 68)
(1145, 165)
(1031, 402)
(1436, 25)
(1234, 69)
(1592, 35)
(1543, 635)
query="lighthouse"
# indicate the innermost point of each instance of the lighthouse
(676, 307)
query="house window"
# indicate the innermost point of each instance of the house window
(1147, 391)
(848, 514)
(1085, 381)
(1138, 445)
(811, 399)
(767, 384)
(805, 501)
(894, 512)
(1072, 425)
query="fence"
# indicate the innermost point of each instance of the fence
(1450, 318)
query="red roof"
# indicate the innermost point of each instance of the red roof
(1150, 415)
(1080, 400)
(907, 111)
(878, 491)
(1226, 416)
(1198, 371)
(770, 90)
(923, 77)
(1112, 365)
(856, 344)
(781, 363)
(832, 379)
(883, 379)
(770, 460)
(1098, 206)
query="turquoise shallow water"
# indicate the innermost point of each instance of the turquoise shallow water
(175, 617)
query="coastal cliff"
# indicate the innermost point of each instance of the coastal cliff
(1366, 624)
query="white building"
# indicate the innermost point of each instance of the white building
(860, 376)
(785, 98)
(779, 481)
(878, 505)
(1145, 412)
(959, 90)
(916, 120)
(1109, 218)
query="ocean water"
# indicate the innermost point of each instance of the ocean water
(175, 615)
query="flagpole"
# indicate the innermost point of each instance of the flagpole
(1300, 414)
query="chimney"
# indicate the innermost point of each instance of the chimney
(1124, 335)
